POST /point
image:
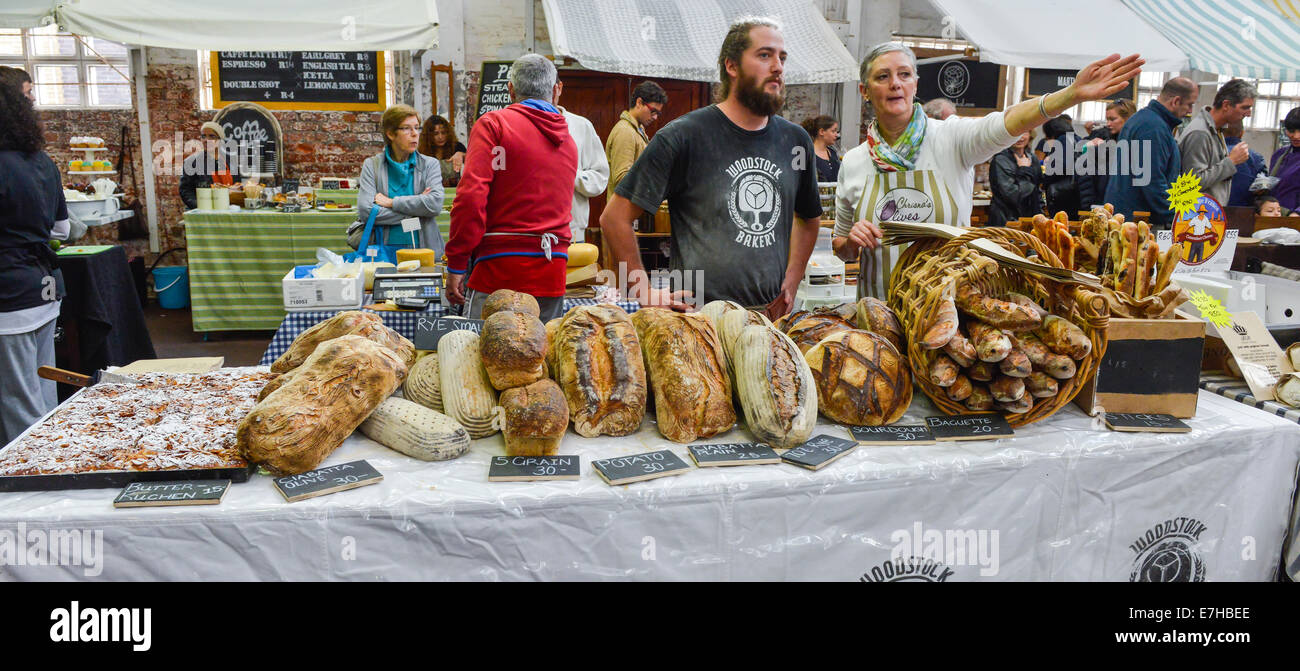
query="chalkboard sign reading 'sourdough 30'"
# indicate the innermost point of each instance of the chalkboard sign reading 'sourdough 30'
(300, 80)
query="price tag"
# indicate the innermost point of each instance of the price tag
(1126, 421)
(638, 467)
(327, 480)
(428, 331)
(982, 426)
(733, 454)
(372, 252)
(819, 452)
(172, 493)
(521, 469)
(410, 225)
(890, 435)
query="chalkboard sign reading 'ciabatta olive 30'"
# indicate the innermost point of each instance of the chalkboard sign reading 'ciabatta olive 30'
(892, 435)
(300, 80)
(819, 452)
(733, 454)
(638, 467)
(1126, 421)
(429, 330)
(176, 493)
(327, 480)
(520, 469)
(981, 426)
(492, 92)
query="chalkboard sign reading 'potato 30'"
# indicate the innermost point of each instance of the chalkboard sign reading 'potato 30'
(300, 80)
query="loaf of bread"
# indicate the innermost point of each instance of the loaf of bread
(875, 316)
(813, 328)
(729, 328)
(535, 419)
(353, 322)
(715, 310)
(296, 427)
(598, 363)
(688, 373)
(775, 386)
(513, 346)
(505, 300)
(861, 379)
(467, 394)
(422, 384)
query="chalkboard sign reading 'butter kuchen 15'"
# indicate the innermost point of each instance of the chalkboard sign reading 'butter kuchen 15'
(300, 80)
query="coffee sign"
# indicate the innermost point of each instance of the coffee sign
(253, 138)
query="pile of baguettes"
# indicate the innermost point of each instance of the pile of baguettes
(595, 367)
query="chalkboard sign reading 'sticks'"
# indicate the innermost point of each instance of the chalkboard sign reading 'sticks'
(892, 435)
(1126, 421)
(819, 452)
(733, 454)
(981, 426)
(172, 493)
(429, 330)
(327, 480)
(520, 469)
(638, 467)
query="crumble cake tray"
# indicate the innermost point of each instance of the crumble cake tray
(171, 426)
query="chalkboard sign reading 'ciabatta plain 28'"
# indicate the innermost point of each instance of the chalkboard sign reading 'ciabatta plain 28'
(301, 80)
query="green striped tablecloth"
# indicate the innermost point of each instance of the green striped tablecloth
(238, 259)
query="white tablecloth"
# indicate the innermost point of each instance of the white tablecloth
(1064, 499)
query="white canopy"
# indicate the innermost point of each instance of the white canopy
(680, 39)
(241, 25)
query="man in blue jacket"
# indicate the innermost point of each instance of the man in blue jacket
(1153, 125)
(1240, 195)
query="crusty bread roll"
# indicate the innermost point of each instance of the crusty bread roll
(535, 419)
(505, 300)
(513, 347)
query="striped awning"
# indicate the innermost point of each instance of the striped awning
(680, 39)
(1258, 39)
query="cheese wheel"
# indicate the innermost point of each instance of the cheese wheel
(582, 254)
(426, 257)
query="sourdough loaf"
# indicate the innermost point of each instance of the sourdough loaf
(776, 387)
(598, 364)
(861, 379)
(513, 346)
(505, 300)
(535, 419)
(688, 372)
(353, 322)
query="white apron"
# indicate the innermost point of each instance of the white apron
(913, 196)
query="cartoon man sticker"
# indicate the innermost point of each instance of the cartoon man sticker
(1195, 232)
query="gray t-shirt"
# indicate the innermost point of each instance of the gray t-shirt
(732, 194)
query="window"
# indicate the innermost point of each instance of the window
(205, 79)
(69, 70)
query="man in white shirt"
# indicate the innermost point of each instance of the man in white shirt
(593, 167)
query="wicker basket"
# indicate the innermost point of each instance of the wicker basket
(928, 266)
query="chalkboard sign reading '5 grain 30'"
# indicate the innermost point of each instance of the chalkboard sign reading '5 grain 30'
(314, 80)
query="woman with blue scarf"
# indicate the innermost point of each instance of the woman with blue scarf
(911, 168)
(403, 184)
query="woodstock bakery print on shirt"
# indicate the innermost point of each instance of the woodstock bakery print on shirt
(754, 201)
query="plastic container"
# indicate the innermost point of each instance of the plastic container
(173, 286)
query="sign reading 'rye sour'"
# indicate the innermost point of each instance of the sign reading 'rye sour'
(300, 80)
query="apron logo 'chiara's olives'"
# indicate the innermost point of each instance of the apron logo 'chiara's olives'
(754, 200)
(904, 204)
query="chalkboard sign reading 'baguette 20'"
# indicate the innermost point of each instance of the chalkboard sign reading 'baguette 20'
(300, 80)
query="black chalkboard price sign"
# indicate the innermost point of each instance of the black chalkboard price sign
(980, 426)
(892, 435)
(733, 454)
(173, 493)
(968, 83)
(492, 92)
(314, 80)
(638, 467)
(521, 469)
(819, 452)
(1127, 421)
(429, 330)
(327, 480)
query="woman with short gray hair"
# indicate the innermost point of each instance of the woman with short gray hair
(911, 168)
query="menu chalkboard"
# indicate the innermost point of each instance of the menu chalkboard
(733, 454)
(492, 91)
(638, 467)
(889, 435)
(429, 330)
(968, 83)
(254, 135)
(981, 426)
(327, 480)
(520, 469)
(316, 80)
(819, 452)
(173, 493)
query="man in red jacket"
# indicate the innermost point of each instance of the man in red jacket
(510, 220)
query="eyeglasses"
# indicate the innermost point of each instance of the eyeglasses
(408, 129)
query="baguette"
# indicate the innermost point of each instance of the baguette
(979, 398)
(960, 389)
(1148, 258)
(982, 371)
(1167, 265)
(960, 349)
(940, 331)
(943, 372)
(992, 345)
(1062, 337)
(997, 313)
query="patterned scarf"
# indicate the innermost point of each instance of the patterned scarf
(902, 155)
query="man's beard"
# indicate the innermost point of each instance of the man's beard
(750, 93)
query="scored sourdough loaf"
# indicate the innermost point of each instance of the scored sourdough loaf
(596, 359)
(812, 329)
(505, 300)
(353, 322)
(534, 419)
(688, 372)
(467, 393)
(422, 383)
(297, 426)
(874, 315)
(861, 379)
(416, 431)
(513, 346)
(776, 387)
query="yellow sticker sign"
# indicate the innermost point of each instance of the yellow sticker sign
(1211, 309)
(1183, 194)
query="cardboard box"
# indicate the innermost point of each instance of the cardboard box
(313, 293)
(1150, 366)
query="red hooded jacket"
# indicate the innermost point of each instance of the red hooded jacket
(518, 178)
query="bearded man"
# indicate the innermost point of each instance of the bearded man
(741, 185)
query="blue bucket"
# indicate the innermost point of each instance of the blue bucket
(173, 286)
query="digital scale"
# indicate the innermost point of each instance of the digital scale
(391, 285)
